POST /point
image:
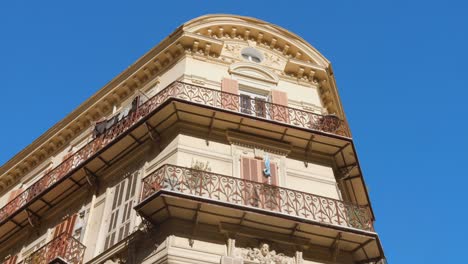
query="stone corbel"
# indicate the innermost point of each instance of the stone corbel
(157, 65)
(33, 219)
(220, 32)
(246, 34)
(285, 49)
(273, 43)
(195, 46)
(207, 49)
(233, 32)
(259, 38)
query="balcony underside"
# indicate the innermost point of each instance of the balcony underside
(235, 219)
(168, 114)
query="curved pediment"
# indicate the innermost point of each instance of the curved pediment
(254, 71)
(265, 34)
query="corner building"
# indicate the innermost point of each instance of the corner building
(226, 143)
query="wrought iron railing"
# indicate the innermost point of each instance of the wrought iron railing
(187, 92)
(63, 247)
(257, 195)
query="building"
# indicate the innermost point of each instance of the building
(225, 143)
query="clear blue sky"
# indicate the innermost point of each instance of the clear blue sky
(400, 68)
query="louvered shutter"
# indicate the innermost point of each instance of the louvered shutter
(270, 193)
(245, 168)
(279, 109)
(68, 162)
(122, 206)
(61, 238)
(274, 174)
(14, 193)
(229, 95)
(66, 227)
(11, 260)
(12, 203)
(251, 169)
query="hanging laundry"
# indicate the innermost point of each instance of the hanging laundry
(267, 170)
(111, 121)
(135, 104)
(124, 112)
(100, 128)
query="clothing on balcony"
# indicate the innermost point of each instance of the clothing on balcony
(102, 126)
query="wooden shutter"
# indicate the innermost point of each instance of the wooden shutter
(274, 173)
(11, 260)
(245, 168)
(229, 96)
(251, 169)
(14, 194)
(122, 206)
(15, 204)
(65, 168)
(279, 99)
(66, 226)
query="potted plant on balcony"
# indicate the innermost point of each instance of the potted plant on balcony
(197, 181)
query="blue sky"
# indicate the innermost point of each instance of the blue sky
(400, 69)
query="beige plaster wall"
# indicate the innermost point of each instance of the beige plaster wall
(224, 159)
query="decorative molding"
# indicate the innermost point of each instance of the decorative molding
(247, 140)
(264, 255)
(254, 71)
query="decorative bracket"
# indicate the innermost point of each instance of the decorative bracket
(33, 218)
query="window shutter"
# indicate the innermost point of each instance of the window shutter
(66, 226)
(230, 86)
(11, 260)
(68, 162)
(251, 169)
(245, 168)
(15, 204)
(14, 194)
(279, 99)
(229, 97)
(274, 174)
(122, 206)
(255, 168)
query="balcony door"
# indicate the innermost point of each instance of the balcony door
(261, 190)
(253, 104)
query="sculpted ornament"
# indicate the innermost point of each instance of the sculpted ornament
(233, 49)
(264, 255)
(271, 59)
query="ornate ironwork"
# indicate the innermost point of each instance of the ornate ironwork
(258, 195)
(184, 91)
(64, 247)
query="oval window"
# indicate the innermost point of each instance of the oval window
(252, 55)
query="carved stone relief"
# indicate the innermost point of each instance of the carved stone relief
(263, 254)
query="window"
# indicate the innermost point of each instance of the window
(259, 195)
(252, 55)
(253, 104)
(123, 200)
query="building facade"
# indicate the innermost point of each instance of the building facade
(225, 143)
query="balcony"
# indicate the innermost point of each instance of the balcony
(256, 195)
(236, 204)
(179, 102)
(63, 249)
